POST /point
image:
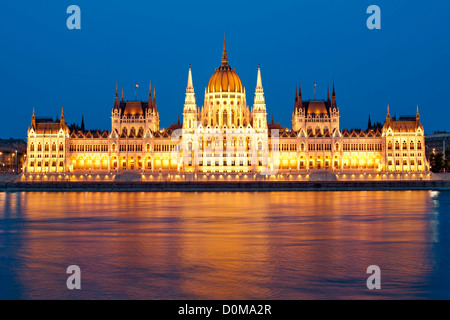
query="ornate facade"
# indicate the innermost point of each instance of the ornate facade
(226, 137)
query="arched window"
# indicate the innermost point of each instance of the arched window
(317, 131)
(302, 147)
(390, 145)
(54, 146)
(61, 146)
(113, 148)
(39, 147)
(46, 148)
(32, 147)
(225, 118)
(404, 145)
(309, 131)
(397, 145)
(411, 145)
(419, 145)
(148, 147)
(337, 146)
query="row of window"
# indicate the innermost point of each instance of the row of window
(405, 162)
(88, 147)
(405, 145)
(46, 147)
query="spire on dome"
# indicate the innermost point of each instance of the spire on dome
(224, 55)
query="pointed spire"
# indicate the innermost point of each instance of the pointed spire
(190, 85)
(258, 79)
(388, 116)
(116, 98)
(224, 54)
(150, 93)
(33, 120)
(417, 113)
(122, 99)
(300, 101)
(369, 124)
(82, 123)
(62, 114)
(333, 97)
(328, 93)
(154, 99)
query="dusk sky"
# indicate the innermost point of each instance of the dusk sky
(46, 65)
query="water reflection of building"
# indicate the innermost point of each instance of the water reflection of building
(225, 136)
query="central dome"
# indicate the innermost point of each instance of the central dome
(225, 79)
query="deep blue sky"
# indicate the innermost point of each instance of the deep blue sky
(45, 65)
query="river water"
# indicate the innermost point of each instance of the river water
(225, 245)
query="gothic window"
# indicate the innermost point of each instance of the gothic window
(32, 147)
(61, 147)
(397, 145)
(419, 145)
(337, 146)
(411, 145)
(54, 146)
(390, 145)
(225, 118)
(46, 147)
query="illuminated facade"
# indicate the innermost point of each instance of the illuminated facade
(224, 136)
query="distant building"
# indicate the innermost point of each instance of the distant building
(12, 155)
(437, 142)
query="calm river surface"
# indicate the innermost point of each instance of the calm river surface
(225, 245)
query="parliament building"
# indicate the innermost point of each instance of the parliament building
(225, 139)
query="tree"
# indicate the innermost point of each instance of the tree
(437, 162)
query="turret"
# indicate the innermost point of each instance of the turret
(259, 105)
